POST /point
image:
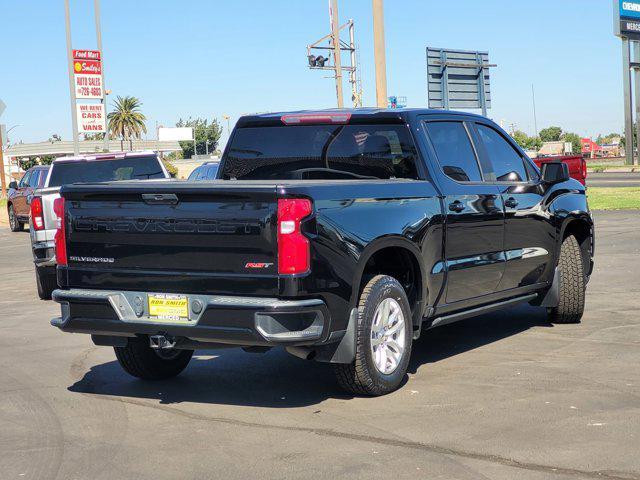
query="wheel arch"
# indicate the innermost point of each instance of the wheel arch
(580, 225)
(390, 255)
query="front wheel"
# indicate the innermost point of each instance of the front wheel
(383, 340)
(572, 284)
(14, 224)
(140, 360)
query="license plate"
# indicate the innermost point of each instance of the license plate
(174, 308)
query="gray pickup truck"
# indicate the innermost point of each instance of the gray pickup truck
(67, 170)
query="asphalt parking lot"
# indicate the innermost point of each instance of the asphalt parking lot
(502, 396)
(605, 179)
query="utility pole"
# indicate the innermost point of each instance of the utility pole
(379, 52)
(335, 39)
(3, 186)
(535, 117)
(96, 9)
(72, 89)
(353, 78)
(3, 181)
(227, 117)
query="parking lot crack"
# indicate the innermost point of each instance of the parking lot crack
(391, 442)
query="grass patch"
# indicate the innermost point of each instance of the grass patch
(621, 198)
(3, 202)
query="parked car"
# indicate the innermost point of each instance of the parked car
(576, 163)
(19, 195)
(206, 171)
(340, 235)
(67, 170)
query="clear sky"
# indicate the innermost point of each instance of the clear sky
(209, 58)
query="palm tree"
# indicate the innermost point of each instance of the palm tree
(126, 121)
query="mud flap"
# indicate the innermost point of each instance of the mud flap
(552, 297)
(343, 351)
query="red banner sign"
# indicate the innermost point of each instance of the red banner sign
(88, 67)
(86, 54)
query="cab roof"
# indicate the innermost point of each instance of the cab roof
(352, 115)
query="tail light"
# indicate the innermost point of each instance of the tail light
(339, 118)
(584, 171)
(60, 245)
(37, 220)
(293, 246)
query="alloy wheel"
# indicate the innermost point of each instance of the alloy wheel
(388, 336)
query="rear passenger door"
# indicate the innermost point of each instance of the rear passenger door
(529, 234)
(474, 259)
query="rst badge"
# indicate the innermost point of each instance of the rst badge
(258, 265)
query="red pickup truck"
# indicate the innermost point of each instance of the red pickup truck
(577, 165)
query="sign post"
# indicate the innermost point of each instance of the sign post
(72, 87)
(626, 25)
(96, 11)
(86, 81)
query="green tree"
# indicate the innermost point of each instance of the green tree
(171, 168)
(551, 134)
(126, 121)
(204, 132)
(527, 142)
(576, 142)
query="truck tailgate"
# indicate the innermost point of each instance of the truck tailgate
(210, 237)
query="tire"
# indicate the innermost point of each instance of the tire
(14, 224)
(138, 359)
(46, 283)
(363, 376)
(572, 284)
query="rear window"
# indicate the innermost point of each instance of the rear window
(130, 168)
(321, 151)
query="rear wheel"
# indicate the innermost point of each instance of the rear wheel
(140, 360)
(46, 283)
(14, 224)
(383, 340)
(572, 284)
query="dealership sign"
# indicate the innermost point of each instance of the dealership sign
(91, 118)
(627, 18)
(87, 73)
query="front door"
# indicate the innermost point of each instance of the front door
(474, 257)
(20, 206)
(529, 234)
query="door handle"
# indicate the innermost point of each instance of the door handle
(511, 202)
(457, 206)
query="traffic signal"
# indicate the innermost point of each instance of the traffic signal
(318, 61)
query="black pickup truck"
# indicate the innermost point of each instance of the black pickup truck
(340, 235)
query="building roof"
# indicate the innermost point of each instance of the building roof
(86, 147)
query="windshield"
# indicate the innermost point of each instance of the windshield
(321, 151)
(130, 168)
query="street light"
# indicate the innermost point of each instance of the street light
(15, 126)
(7, 134)
(227, 117)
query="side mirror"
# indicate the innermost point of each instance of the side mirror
(13, 185)
(555, 172)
